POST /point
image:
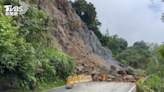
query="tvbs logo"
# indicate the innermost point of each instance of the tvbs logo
(14, 11)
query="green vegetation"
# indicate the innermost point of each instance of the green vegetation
(114, 43)
(88, 14)
(156, 67)
(139, 72)
(155, 83)
(26, 56)
(136, 56)
(47, 86)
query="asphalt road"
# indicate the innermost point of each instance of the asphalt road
(97, 87)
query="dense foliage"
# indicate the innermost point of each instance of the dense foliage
(156, 67)
(114, 43)
(88, 14)
(25, 56)
(155, 83)
(136, 56)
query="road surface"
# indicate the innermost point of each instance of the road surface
(97, 87)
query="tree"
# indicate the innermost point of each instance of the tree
(123, 44)
(135, 57)
(155, 60)
(161, 61)
(88, 14)
(153, 48)
(161, 50)
(141, 44)
(162, 14)
(162, 17)
(116, 44)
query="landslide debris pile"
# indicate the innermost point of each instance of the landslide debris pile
(75, 39)
(115, 75)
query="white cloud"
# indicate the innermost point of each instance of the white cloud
(133, 20)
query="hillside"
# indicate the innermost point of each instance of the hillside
(75, 39)
(48, 44)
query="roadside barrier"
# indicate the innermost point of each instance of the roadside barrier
(75, 79)
(90, 78)
(78, 78)
(81, 78)
(70, 82)
(86, 78)
(141, 88)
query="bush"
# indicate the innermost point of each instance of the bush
(137, 71)
(16, 56)
(54, 64)
(155, 83)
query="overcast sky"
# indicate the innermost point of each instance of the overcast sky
(133, 20)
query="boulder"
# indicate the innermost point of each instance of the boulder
(120, 79)
(94, 72)
(129, 77)
(111, 76)
(109, 79)
(113, 72)
(80, 67)
(123, 72)
(100, 78)
(113, 67)
(95, 77)
(117, 75)
(69, 86)
(133, 80)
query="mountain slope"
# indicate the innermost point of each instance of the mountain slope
(75, 39)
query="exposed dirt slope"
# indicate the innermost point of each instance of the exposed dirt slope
(75, 39)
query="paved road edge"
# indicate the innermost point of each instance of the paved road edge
(53, 88)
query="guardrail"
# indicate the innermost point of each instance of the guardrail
(80, 79)
(141, 88)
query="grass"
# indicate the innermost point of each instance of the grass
(47, 86)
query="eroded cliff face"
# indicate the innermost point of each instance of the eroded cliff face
(75, 39)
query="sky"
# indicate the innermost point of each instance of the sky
(133, 20)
